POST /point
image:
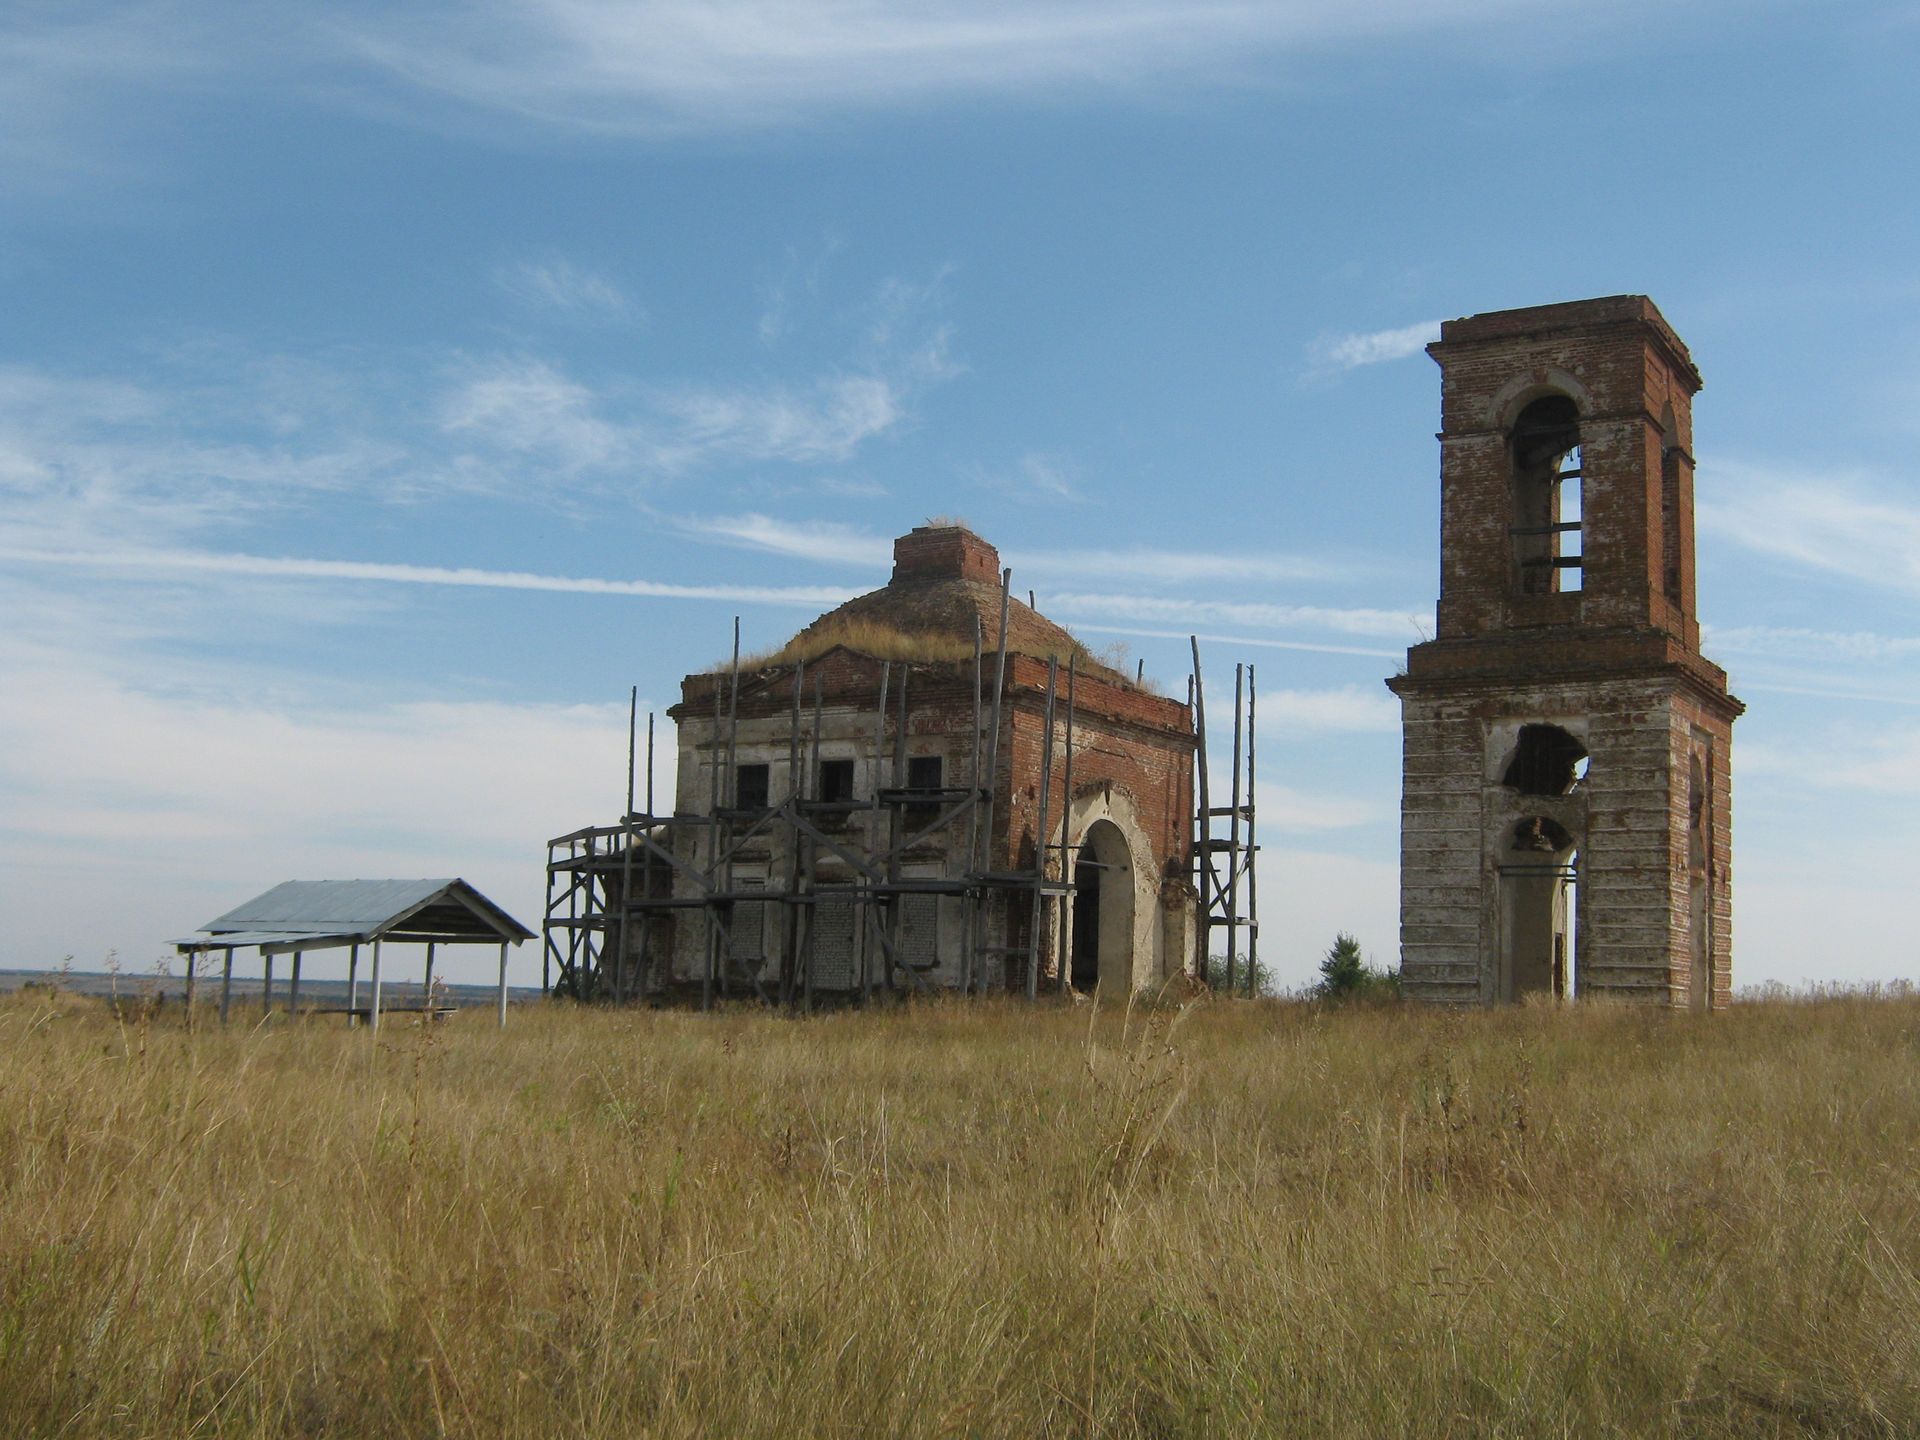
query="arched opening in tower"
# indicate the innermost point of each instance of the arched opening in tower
(1539, 906)
(1547, 469)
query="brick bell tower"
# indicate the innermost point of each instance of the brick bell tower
(1564, 817)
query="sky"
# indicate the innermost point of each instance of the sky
(384, 390)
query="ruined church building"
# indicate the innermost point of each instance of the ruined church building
(935, 787)
(1566, 753)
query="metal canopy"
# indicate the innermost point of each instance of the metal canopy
(322, 914)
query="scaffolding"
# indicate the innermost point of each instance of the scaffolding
(1224, 869)
(614, 908)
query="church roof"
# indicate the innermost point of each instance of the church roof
(945, 578)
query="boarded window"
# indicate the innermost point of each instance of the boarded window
(833, 944)
(747, 928)
(920, 931)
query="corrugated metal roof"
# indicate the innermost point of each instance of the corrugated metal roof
(342, 911)
(328, 905)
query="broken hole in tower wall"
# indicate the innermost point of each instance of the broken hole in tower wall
(1546, 761)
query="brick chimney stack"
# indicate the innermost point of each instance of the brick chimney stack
(944, 552)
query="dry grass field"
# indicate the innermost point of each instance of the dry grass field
(1254, 1218)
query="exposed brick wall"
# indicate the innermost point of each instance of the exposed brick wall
(1615, 663)
(1124, 738)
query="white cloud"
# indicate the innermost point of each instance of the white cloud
(1842, 524)
(1172, 610)
(1258, 642)
(819, 540)
(679, 66)
(154, 561)
(826, 422)
(841, 544)
(1792, 643)
(560, 285)
(1181, 566)
(529, 408)
(1350, 352)
(1350, 709)
(203, 798)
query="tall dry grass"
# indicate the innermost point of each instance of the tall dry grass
(964, 1220)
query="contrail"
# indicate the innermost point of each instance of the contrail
(289, 567)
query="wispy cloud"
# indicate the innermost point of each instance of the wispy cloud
(680, 66)
(157, 561)
(1178, 567)
(1843, 524)
(529, 408)
(1047, 479)
(1238, 642)
(1789, 643)
(1350, 352)
(1165, 609)
(818, 540)
(837, 543)
(560, 286)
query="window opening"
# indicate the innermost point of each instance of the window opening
(1548, 467)
(750, 785)
(1547, 761)
(836, 780)
(923, 772)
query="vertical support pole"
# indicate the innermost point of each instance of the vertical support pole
(1233, 841)
(990, 783)
(790, 916)
(1066, 820)
(373, 1012)
(193, 957)
(869, 924)
(546, 934)
(266, 988)
(571, 966)
(1253, 855)
(293, 991)
(353, 983)
(896, 830)
(730, 790)
(813, 778)
(503, 984)
(970, 921)
(226, 984)
(626, 853)
(1041, 836)
(426, 982)
(1203, 853)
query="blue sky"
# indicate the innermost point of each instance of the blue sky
(379, 398)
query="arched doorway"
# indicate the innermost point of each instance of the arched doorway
(1102, 908)
(1538, 874)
